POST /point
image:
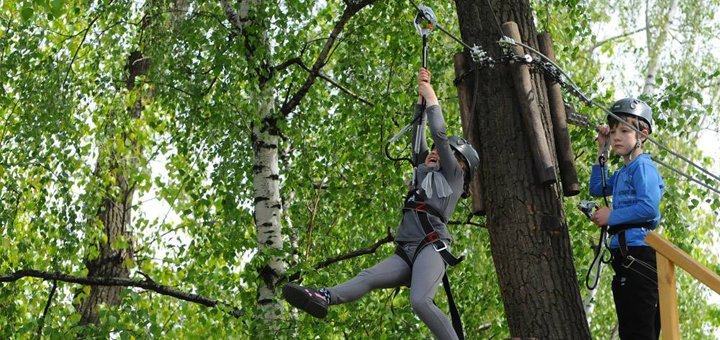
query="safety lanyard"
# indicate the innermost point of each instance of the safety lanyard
(601, 247)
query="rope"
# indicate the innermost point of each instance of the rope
(553, 72)
(565, 81)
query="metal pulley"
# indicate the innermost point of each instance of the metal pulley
(425, 20)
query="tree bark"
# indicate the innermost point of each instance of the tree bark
(114, 213)
(528, 233)
(266, 183)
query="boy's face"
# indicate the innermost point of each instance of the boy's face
(623, 138)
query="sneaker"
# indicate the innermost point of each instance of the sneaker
(307, 299)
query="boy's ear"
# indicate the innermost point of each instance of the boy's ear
(643, 138)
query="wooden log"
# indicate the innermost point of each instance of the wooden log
(563, 148)
(465, 97)
(530, 111)
(669, 320)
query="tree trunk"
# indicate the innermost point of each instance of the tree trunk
(655, 47)
(114, 213)
(266, 183)
(528, 233)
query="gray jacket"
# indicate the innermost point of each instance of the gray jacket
(410, 228)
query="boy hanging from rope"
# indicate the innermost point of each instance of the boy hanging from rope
(637, 189)
(441, 176)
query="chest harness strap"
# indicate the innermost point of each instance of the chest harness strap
(432, 237)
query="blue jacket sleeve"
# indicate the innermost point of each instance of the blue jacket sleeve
(648, 190)
(596, 182)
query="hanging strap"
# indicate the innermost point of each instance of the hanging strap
(597, 262)
(601, 248)
(454, 313)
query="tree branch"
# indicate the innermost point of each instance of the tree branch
(41, 324)
(299, 62)
(620, 36)
(121, 282)
(72, 61)
(321, 59)
(467, 221)
(355, 253)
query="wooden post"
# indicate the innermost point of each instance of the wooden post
(465, 97)
(566, 159)
(670, 326)
(527, 99)
(668, 255)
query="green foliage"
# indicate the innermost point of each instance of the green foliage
(64, 121)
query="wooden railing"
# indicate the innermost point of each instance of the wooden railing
(669, 255)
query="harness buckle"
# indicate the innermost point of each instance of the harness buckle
(629, 260)
(420, 206)
(444, 245)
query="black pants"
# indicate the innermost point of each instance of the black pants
(635, 292)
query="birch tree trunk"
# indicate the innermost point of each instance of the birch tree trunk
(266, 173)
(268, 214)
(655, 47)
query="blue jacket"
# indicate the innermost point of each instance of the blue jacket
(636, 189)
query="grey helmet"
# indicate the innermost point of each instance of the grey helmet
(634, 107)
(461, 146)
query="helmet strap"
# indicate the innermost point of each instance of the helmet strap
(638, 143)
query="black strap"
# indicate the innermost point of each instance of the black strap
(615, 229)
(433, 238)
(622, 242)
(630, 262)
(597, 261)
(454, 313)
(420, 205)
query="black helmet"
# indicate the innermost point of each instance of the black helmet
(634, 107)
(461, 146)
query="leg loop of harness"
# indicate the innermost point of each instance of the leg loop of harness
(432, 237)
(632, 263)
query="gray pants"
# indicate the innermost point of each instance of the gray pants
(424, 279)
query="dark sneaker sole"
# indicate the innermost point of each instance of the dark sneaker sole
(298, 297)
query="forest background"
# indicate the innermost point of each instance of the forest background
(133, 132)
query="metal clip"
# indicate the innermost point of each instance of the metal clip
(479, 55)
(506, 41)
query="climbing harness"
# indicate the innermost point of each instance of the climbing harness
(432, 238)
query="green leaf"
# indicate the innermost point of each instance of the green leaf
(26, 13)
